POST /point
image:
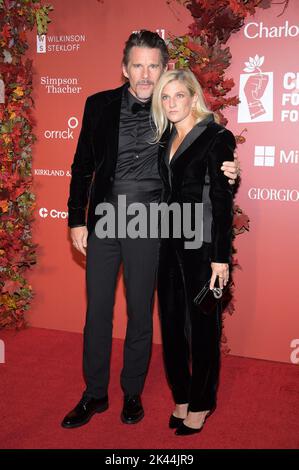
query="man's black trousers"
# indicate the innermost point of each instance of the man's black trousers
(104, 257)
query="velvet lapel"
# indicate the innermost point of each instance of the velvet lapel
(111, 125)
(163, 146)
(194, 134)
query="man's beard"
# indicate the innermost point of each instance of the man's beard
(144, 94)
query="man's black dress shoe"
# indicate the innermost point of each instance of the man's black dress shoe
(132, 411)
(174, 422)
(84, 411)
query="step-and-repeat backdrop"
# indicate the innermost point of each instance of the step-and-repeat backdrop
(82, 55)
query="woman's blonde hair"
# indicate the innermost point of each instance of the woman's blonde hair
(185, 76)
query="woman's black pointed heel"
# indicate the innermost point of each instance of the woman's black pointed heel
(183, 430)
(175, 422)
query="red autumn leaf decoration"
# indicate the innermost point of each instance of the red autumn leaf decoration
(17, 251)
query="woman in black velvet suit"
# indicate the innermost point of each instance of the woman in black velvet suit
(190, 170)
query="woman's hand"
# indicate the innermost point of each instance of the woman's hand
(222, 271)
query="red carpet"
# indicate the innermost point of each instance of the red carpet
(41, 380)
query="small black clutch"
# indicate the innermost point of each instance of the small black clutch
(207, 299)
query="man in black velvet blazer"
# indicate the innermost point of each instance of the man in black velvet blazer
(114, 158)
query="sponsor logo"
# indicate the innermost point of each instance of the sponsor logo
(62, 43)
(264, 155)
(61, 85)
(63, 134)
(53, 213)
(294, 357)
(273, 194)
(255, 93)
(41, 47)
(52, 172)
(255, 30)
(290, 98)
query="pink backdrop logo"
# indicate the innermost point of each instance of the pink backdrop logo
(59, 43)
(264, 155)
(256, 93)
(41, 44)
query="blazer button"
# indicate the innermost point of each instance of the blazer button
(111, 178)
